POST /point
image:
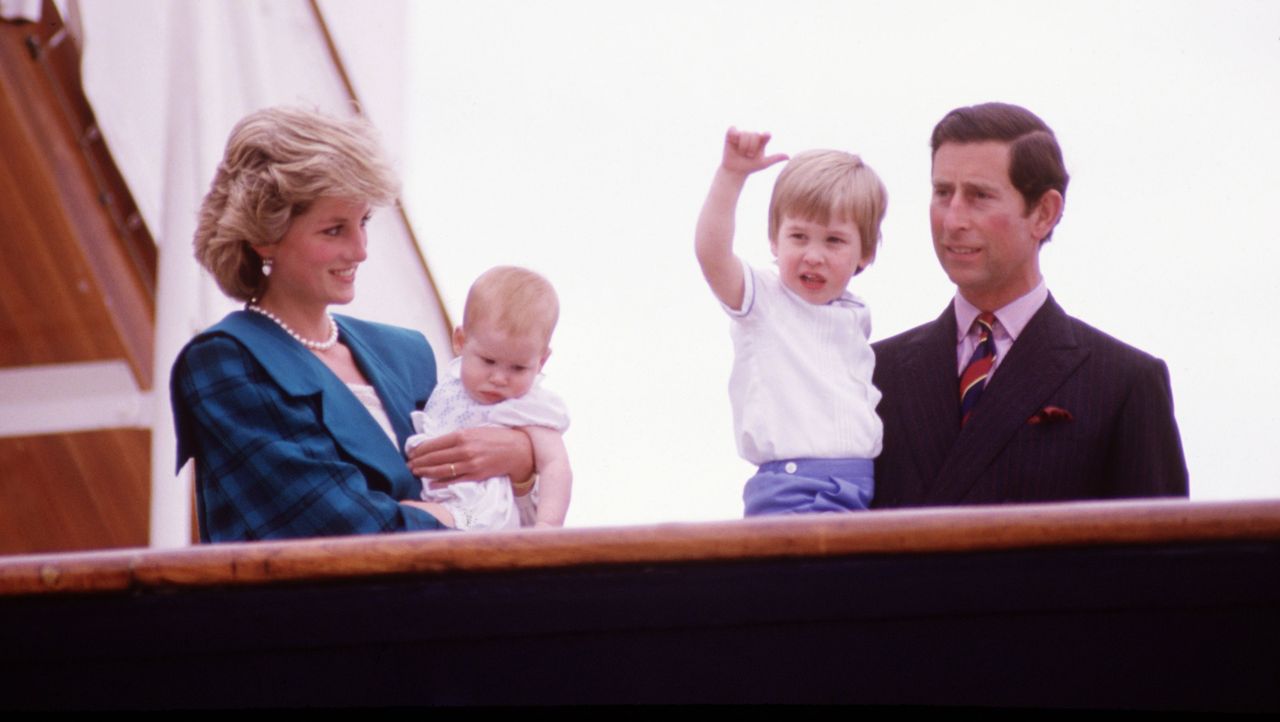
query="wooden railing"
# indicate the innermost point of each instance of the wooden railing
(927, 531)
(1132, 605)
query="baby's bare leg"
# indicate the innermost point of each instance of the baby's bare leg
(440, 512)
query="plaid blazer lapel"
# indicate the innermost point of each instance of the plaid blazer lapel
(397, 398)
(299, 373)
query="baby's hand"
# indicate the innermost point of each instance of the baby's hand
(744, 152)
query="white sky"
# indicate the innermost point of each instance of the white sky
(578, 138)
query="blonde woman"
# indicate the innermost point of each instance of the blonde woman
(295, 416)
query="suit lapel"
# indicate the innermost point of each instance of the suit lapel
(932, 395)
(1041, 359)
(300, 374)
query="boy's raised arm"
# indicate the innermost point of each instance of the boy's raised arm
(744, 154)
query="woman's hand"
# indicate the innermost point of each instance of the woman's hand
(474, 455)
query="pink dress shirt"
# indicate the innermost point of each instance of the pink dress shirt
(1010, 321)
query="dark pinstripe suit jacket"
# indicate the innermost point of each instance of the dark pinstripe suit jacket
(283, 449)
(1121, 439)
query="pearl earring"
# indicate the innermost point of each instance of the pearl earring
(266, 266)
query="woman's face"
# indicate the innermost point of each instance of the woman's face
(315, 262)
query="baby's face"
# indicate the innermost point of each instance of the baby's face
(496, 365)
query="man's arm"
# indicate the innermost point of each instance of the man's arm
(713, 239)
(1146, 457)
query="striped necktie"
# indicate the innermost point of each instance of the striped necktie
(974, 377)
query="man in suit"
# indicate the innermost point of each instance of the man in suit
(1053, 409)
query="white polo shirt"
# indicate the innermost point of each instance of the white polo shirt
(801, 382)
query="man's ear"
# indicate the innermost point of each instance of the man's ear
(459, 340)
(1046, 213)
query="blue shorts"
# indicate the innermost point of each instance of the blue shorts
(806, 486)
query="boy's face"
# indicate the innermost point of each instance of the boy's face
(815, 260)
(497, 366)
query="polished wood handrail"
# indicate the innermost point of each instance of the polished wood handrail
(883, 532)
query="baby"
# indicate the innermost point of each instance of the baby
(501, 346)
(803, 403)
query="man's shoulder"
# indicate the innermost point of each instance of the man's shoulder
(1108, 346)
(907, 337)
(911, 338)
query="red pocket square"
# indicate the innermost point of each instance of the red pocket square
(1050, 414)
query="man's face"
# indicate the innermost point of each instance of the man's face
(985, 239)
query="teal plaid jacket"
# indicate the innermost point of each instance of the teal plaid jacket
(282, 448)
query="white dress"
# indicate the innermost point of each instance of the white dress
(487, 504)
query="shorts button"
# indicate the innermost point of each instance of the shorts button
(790, 467)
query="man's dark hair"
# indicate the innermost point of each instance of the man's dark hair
(1035, 160)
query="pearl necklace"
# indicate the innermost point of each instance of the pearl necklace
(324, 345)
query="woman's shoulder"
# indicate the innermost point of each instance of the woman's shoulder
(402, 350)
(245, 328)
(242, 331)
(383, 336)
(215, 345)
(246, 346)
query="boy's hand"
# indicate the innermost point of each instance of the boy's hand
(744, 152)
(713, 238)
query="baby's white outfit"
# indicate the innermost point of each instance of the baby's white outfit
(487, 504)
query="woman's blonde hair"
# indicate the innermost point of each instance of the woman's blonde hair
(277, 163)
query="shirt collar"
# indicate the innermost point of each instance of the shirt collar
(1013, 317)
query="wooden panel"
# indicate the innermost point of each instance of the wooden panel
(74, 491)
(78, 286)
(81, 284)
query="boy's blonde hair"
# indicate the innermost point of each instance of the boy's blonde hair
(515, 300)
(819, 185)
(279, 161)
